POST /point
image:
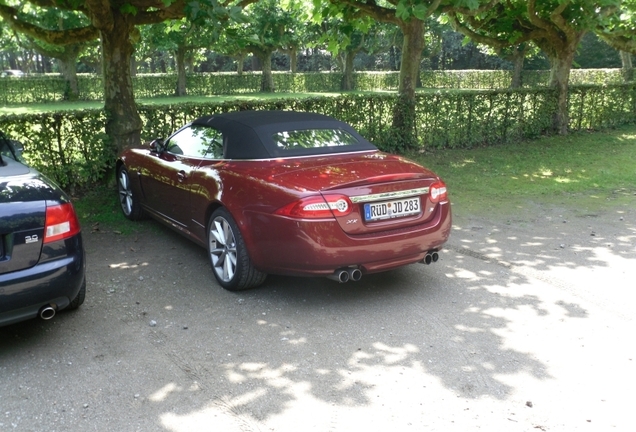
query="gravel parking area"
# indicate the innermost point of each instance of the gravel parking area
(525, 323)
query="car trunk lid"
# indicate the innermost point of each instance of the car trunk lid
(384, 192)
(21, 231)
(22, 219)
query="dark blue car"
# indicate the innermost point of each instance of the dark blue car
(42, 259)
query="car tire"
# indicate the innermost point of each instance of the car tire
(128, 200)
(79, 298)
(230, 261)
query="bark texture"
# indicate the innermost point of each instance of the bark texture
(628, 69)
(68, 68)
(518, 59)
(267, 79)
(561, 57)
(180, 55)
(264, 57)
(404, 113)
(348, 82)
(123, 124)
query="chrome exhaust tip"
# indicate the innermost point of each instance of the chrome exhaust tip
(430, 257)
(340, 275)
(355, 274)
(46, 312)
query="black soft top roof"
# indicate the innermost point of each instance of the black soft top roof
(248, 134)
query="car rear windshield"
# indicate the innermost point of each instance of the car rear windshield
(313, 139)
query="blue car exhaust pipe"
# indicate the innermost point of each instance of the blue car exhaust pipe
(46, 312)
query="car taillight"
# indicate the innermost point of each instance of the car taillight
(61, 222)
(437, 192)
(317, 207)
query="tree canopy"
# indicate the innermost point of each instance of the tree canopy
(401, 28)
(555, 26)
(116, 22)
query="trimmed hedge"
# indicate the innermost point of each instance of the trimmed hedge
(500, 79)
(51, 88)
(71, 147)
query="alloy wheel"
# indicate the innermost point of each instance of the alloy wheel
(125, 193)
(223, 251)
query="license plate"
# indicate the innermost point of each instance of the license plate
(391, 209)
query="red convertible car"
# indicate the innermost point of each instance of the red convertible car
(287, 193)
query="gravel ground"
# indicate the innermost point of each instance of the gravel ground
(524, 324)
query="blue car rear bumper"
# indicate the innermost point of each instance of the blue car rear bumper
(54, 282)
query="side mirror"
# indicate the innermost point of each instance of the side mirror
(156, 145)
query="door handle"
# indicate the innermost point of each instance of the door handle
(181, 176)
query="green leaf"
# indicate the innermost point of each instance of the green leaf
(402, 11)
(127, 8)
(420, 11)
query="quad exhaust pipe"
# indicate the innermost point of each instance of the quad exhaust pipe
(430, 257)
(46, 312)
(355, 274)
(346, 274)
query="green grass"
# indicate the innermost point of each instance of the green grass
(592, 168)
(98, 209)
(34, 108)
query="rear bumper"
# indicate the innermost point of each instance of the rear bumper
(55, 282)
(287, 246)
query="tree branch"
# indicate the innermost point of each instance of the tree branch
(66, 52)
(174, 11)
(534, 18)
(432, 8)
(557, 18)
(551, 29)
(100, 14)
(64, 5)
(458, 26)
(621, 43)
(471, 12)
(373, 10)
(55, 37)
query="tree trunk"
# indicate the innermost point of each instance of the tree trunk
(123, 124)
(404, 111)
(628, 70)
(394, 56)
(240, 63)
(133, 65)
(180, 55)
(189, 63)
(267, 80)
(47, 64)
(68, 68)
(347, 83)
(340, 61)
(518, 58)
(293, 60)
(559, 78)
